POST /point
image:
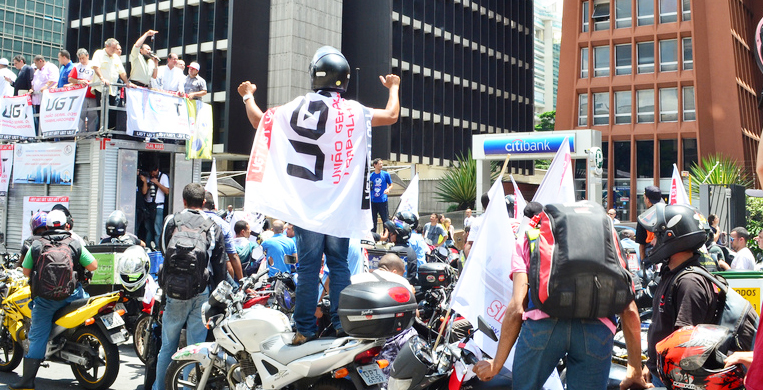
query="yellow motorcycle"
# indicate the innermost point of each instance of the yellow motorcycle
(85, 333)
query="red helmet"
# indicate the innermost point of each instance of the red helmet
(692, 358)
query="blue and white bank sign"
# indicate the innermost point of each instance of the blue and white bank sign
(527, 144)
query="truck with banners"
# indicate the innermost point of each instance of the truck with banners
(94, 173)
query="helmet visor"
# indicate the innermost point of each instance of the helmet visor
(653, 218)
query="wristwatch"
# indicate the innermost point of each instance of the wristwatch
(247, 97)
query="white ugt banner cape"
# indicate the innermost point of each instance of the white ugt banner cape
(310, 164)
(677, 189)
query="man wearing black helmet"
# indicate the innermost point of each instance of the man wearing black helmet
(340, 175)
(116, 231)
(398, 233)
(681, 298)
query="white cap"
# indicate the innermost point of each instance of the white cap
(4, 61)
(56, 219)
(194, 65)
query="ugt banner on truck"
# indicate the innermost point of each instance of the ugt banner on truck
(157, 115)
(16, 117)
(60, 110)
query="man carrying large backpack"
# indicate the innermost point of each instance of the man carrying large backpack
(686, 295)
(54, 264)
(546, 338)
(194, 265)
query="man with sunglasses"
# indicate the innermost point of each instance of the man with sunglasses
(744, 259)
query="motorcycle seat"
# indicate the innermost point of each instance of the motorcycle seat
(280, 348)
(70, 308)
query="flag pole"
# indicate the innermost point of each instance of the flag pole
(505, 165)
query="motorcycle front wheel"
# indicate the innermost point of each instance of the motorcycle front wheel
(141, 335)
(11, 352)
(102, 366)
(185, 374)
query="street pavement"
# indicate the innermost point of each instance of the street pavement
(59, 376)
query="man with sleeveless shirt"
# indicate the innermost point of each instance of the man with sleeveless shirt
(329, 74)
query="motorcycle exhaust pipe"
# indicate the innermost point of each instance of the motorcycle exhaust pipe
(72, 358)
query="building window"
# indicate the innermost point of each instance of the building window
(583, 109)
(645, 108)
(668, 104)
(622, 107)
(600, 15)
(585, 16)
(601, 61)
(622, 157)
(668, 11)
(623, 13)
(686, 10)
(584, 62)
(623, 64)
(668, 156)
(645, 12)
(601, 108)
(690, 113)
(645, 53)
(645, 159)
(688, 56)
(690, 152)
(668, 55)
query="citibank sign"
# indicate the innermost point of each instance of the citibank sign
(528, 144)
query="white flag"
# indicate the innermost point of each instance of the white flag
(519, 200)
(677, 190)
(557, 186)
(409, 201)
(212, 182)
(485, 288)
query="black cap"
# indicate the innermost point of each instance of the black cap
(653, 193)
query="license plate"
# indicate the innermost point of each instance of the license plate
(371, 374)
(118, 338)
(112, 320)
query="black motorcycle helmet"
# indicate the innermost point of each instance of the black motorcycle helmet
(676, 228)
(401, 230)
(408, 217)
(329, 70)
(116, 225)
(510, 205)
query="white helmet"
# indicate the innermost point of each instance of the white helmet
(133, 267)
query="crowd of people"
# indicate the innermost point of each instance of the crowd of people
(101, 73)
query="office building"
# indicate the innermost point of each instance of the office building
(665, 81)
(548, 35)
(32, 27)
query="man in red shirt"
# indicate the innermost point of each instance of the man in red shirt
(82, 73)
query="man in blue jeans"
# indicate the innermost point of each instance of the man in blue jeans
(381, 184)
(544, 340)
(187, 312)
(44, 309)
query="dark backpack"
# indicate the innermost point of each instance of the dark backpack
(577, 266)
(733, 312)
(184, 273)
(54, 275)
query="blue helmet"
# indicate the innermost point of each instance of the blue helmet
(39, 220)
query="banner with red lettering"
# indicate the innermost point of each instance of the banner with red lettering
(16, 117)
(157, 115)
(33, 204)
(60, 110)
(310, 164)
(6, 165)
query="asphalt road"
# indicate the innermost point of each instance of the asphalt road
(59, 376)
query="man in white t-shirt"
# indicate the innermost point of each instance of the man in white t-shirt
(468, 218)
(744, 259)
(82, 73)
(169, 77)
(7, 78)
(155, 190)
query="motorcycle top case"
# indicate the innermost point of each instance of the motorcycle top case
(376, 309)
(577, 266)
(434, 275)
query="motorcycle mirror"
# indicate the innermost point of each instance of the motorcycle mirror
(483, 326)
(442, 251)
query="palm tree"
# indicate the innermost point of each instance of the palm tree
(718, 169)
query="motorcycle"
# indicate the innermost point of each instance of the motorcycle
(85, 333)
(252, 348)
(419, 366)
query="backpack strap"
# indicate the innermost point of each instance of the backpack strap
(701, 271)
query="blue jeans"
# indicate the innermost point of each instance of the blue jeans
(382, 210)
(42, 321)
(177, 313)
(310, 249)
(541, 343)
